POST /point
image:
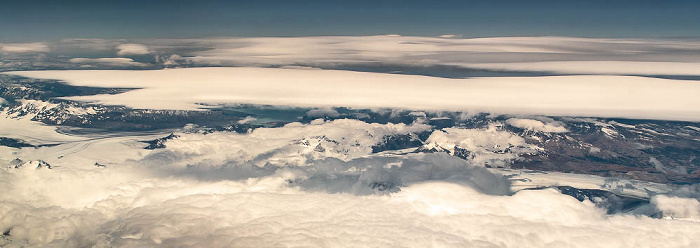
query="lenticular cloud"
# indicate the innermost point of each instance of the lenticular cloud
(578, 95)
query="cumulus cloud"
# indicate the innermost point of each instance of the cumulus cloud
(36, 47)
(184, 195)
(322, 112)
(268, 211)
(247, 119)
(599, 96)
(132, 49)
(120, 62)
(173, 60)
(535, 125)
(677, 207)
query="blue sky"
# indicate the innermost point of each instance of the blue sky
(49, 20)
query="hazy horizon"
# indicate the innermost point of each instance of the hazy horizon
(48, 20)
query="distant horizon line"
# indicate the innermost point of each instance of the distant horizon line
(443, 36)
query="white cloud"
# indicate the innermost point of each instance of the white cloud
(171, 212)
(353, 49)
(677, 207)
(140, 200)
(322, 112)
(172, 60)
(82, 44)
(601, 96)
(247, 119)
(132, 49)
(535, 125)
(556, 54)
(36, 47)
(598, 67)
(107, 61)
(552, 54)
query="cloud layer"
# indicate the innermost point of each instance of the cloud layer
(132, 49)
(536, 125)
(157, 199)
(36, 47)
(601, 96)
(460, 57)
(549, 54)
(119, 62)
(598, 67)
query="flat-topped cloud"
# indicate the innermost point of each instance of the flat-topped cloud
(554, 55)
(598, 67)
(36, 47)
(132, 49)
(591, 95)
(118, 62)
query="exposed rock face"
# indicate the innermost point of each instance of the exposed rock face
(16, 143)
(159, 142)
(655, 151)
(16, 163)
(38, 164)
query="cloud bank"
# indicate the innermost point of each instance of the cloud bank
(139, 199)
(37, 47)
(598, 67)
(600, 96)
(132, 49)
(536, 125)
(452, 56)
(119, 62)
(551, 54)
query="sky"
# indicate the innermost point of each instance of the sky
(22, 21)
